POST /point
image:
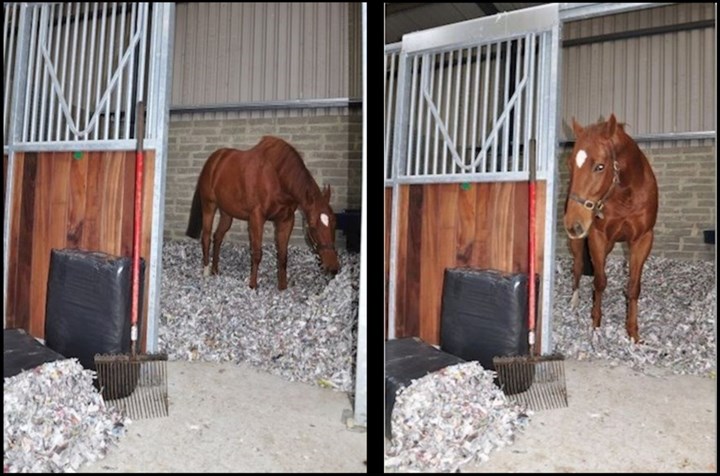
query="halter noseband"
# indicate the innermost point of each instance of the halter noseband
(598, 206)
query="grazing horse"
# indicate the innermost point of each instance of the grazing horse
(612, 197)
(267, 182)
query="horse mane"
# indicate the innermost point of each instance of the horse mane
(291, 169)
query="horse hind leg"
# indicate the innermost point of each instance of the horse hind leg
(255, 229)
(208, 214)
(639, 251)
(283, 230)
(577, 248)
(222, 229)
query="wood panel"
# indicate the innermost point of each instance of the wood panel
(76, 203)
(482, 225)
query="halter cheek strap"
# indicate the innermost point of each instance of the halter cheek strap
(597, 206)
(315, 245)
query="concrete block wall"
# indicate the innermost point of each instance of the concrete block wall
(687, 205)
(331, 147)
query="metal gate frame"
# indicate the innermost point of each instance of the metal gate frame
(32, 22)
(543, 23)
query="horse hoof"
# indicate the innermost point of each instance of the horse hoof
(206, 271)
(575, 299)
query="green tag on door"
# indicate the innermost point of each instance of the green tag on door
(77, 155)
(465, 186)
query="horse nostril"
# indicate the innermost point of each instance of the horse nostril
(577, 228)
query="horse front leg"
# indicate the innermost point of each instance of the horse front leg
(256, 223)
(283, 230)
(577, 247)
(639, 251)
(599, 249)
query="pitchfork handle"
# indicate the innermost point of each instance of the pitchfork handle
(137, 220)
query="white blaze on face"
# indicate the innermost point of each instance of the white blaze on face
(325, 219)
(580, 158)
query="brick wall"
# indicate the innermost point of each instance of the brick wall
(687, 205)
(330, 145)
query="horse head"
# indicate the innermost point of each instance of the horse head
(321, 230)
(594, 174)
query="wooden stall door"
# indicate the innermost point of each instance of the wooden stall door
(65, 200)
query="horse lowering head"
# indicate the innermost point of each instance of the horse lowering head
(321, 231)
(593, 175)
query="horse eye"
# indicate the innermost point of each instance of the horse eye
(599, 167)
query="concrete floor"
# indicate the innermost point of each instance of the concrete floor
(230, 418)
(618, 420)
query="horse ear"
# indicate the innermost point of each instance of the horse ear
(612, 123)
(327, 192)
(577, 128)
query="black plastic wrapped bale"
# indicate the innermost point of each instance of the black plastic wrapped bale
(88, 305)
(405, 360)
(21, 351)
(484, 314)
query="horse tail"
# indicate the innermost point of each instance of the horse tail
(195, 224)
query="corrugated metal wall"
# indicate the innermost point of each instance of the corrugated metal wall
(240, 52)
(657, 83)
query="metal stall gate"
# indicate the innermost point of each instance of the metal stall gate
(470, 99)
(74, 73)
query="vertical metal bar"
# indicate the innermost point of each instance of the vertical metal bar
(88, 95)
(551, 194)
(388, 115)
(361, 358)
(496, 96)
(47, 43)
(20, 80)
(164, 22)
(438, 101)
(466, 106)
(134, 27)
(73, 66)
(154, 67)
(421, 101)
(518, 108)
(56, 56)
(39, 63)
(530, 86)
(412, 114)
(506, 125)
(111, 61)
(458, 79)
(64, 70)
(12, 19)
(81, 77)
(118, 96)
(431, 67)
(398, 155)
(447, 110)
(101, 56)
(476, 99)
(144, 9)
(28, 82)
(486, 88)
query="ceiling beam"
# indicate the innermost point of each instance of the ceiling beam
(391, 8)
(488, 8)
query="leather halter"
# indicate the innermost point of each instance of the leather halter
(313, 243)
(597, 206)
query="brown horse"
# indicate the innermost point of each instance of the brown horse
(612, 197)
(267, 182)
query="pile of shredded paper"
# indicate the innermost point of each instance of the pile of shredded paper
(676, 317)
(54, 420)
(307, 332)
(449, 418)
